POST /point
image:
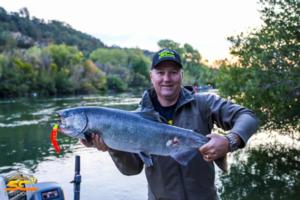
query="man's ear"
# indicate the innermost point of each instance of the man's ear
(150, 76)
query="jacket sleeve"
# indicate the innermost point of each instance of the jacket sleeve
(127, 163)
(231, 116)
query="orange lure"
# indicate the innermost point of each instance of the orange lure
(53, 138)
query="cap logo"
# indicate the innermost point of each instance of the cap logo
(166, 54)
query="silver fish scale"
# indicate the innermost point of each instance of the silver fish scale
(128, 131)
(134, 132)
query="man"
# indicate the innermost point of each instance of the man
(168, 180)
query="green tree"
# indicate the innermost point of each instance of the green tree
(115, 83)
(112, 62)
(109, 56)
(166, 43)
(266, 76)
(65, 56)
(92, 79)
(6, 41)
(56, 69)
(139, 65)
(16, 78)
(130, 65)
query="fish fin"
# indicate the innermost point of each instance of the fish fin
(185, 157)
(222, 163)
(151, 115)
(146, 159)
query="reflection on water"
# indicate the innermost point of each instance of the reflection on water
(266, 170)
(258, 172)
(25, 125)
(100, 178)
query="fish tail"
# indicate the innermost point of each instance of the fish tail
(184, 157)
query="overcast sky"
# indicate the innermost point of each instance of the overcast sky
(205, 24)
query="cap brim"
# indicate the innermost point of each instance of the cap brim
(167, 59)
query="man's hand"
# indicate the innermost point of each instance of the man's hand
(215, 148)
(96, 141)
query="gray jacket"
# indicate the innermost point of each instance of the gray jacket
(168, 180)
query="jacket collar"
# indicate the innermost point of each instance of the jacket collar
(146, 104)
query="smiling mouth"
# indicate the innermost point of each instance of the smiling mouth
(167, 88)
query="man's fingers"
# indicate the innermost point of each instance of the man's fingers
(86, 143)
(99, 143)
(208, 158)
(208, 146)
(210, 135)
(208, 150)
(215, 148)
(96, 141)
(212, 152)
(205, 148)
(104, 147)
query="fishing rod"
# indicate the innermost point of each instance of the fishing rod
(77, 178)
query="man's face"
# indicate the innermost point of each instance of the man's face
(166, 79)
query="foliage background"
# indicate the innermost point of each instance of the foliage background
(51, 58)
(266, 73)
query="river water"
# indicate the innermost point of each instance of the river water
(267, 169)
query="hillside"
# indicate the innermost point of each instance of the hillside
(52, 58)
(19, 29)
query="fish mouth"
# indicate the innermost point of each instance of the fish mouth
(61, 125)
(71, 124)
(59, 120)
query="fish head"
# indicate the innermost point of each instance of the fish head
(72, 122)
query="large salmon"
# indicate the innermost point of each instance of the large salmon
(136, 132)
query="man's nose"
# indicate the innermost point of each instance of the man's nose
(167, 77)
